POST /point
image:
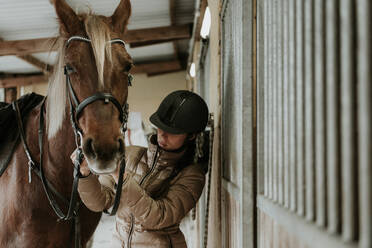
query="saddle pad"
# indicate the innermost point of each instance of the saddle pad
(9, 133)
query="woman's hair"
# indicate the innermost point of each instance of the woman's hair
(197, 151)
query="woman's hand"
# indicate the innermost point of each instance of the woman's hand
(84, 169)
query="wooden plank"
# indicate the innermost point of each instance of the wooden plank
(300, 108)
(292, 104)
(364, 11)
(320, 114)
(332, 119)
(10, 82)
(35, 62)
(309, 111)
(172, 14)
(348, 121)
(44, 67)
(152, 69)
(158, 34)
(157, 68)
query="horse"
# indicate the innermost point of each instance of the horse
(93, 63)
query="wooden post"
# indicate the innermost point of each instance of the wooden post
(10, 95)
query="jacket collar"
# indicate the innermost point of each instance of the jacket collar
(164, 158)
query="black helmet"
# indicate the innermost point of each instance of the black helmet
(181, 111)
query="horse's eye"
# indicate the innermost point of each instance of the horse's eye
(69, 69)
(128, 67)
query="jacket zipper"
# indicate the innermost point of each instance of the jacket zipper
(152, 167)
(141, 182)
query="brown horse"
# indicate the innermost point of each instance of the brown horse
(26, 218)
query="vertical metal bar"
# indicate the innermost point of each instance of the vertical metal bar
(319, 6)
(365, 120)
(279, 78)
(266, 96)
(348, 124)
(332, 117)
(309, 111)
(292, 103)
(275, 101)
(300, 108)
(270, 86)
(286, 101)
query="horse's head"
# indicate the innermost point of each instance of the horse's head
(96, 64)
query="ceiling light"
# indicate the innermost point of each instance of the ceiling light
(192, 70)
(206, 26)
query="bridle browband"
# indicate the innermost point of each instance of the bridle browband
(76, 109)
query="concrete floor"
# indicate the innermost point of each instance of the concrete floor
(103, 234)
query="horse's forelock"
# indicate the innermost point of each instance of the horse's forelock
(99, 34)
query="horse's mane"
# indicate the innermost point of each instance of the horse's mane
(99, 33)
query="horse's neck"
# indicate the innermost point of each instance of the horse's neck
(58, 151)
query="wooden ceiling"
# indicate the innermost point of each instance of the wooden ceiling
(23, 49)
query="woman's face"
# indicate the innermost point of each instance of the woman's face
(169, 141)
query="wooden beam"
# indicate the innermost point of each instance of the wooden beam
(159, 34)
(35, 62)
(172, 14)
(152, 68)
(24, 80)
(157, 67)
(44, 67)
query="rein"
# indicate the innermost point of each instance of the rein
(75, 110)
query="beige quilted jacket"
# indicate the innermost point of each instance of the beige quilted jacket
(154, 200)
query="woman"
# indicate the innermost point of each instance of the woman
(161, 183)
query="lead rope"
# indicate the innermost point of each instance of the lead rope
(211, 136)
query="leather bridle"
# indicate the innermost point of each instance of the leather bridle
(76, 109)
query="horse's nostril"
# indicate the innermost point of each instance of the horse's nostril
(89, 149)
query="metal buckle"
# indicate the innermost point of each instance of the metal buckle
(31, 166)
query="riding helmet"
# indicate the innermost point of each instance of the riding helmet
(180, 112)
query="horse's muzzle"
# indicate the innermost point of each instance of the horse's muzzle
(103, 157)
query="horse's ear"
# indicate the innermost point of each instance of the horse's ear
(121, 16)
(70, 23)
